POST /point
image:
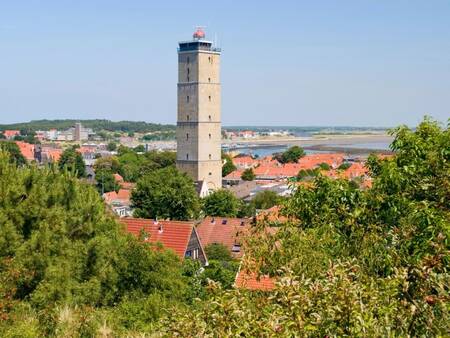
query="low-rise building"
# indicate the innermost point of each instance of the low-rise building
(224, 230)
(9, 134)
(180, 237)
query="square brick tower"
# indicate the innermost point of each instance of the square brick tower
(198, 122)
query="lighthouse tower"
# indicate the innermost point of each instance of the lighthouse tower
(198, 121)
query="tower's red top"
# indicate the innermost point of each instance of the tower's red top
(199, 34)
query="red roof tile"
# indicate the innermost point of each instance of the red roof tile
(251, 281)
(26, 149)
(10, 133)
(172, 235)
(122, 196)
(118, 178)
(223, 230)
(234, 175)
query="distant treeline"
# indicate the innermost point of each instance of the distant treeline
(97, 125)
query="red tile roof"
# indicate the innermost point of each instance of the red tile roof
(234, 175)
(10, 133)
(53, 154)
(251, 281)
(244, 162)
(122, 196)
(223, 230)
(172, 235)
(26, 149)
(118, 178)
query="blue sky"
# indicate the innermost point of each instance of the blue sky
(360, 62)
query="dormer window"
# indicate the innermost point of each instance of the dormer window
(236, 248)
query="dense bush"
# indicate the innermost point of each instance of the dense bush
(370, 263)
(62, 256)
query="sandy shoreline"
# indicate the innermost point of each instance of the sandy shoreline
(332, 139)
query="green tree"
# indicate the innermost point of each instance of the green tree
(162, 158)
(106, 181)
(63, 257)
(344, 166)
(351, 255)
(324, 166)
(14, 151)
(291, 155)
(109, 163)
(222, 203)
(165, 193)
(112, 146)
(228, 167)
(139, 149)
(218, 252)
(248, 175)
(307, 174)
(265, 199)
(72, 160)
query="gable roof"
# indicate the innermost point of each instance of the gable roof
(123, 195)
(26, 149)
(223, 230)
(172, 235)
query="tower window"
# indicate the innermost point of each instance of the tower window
(210, 173)
(187, 136)
(187, 98)
(187, 117)
(209, 97)
(209, 117)
(209, 136)
(209, 59)
(188, 70)
(187, 156)
(209, 79)
(209, 156)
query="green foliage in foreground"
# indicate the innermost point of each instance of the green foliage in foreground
(62, 257)
(370, 263)
(14, 151)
